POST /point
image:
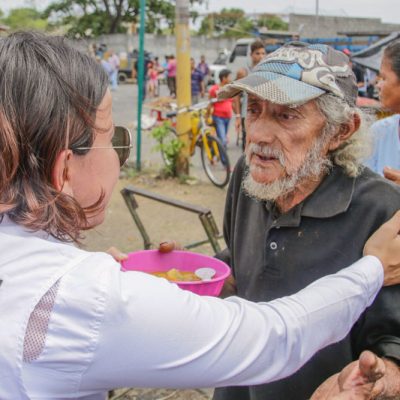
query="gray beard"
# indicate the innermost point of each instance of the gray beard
(314, 166)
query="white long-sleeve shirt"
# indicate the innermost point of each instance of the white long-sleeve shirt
(108, 328)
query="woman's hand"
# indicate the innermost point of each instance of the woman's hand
(117, 254)
(392, 174)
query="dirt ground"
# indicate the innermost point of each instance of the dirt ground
(161, 222)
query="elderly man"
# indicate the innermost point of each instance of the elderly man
(300, 199)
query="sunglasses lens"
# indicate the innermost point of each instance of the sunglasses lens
(122, 143)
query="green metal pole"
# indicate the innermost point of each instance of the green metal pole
(140, 85)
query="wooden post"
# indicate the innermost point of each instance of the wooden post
(183, 82)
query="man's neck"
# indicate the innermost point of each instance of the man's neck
(302, 191)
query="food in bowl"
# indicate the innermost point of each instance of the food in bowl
(176, 275)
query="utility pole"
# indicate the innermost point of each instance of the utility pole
(183, 82)
(141, 82)
(316, 18)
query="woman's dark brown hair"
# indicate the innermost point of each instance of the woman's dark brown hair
(49, 94)
(392, 54)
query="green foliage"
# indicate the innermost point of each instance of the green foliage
(229, 22)
(232, 22)
(25, 18)
(169, 145)
(272, 22)
(97, 17)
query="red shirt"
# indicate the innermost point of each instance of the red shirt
(222, 109)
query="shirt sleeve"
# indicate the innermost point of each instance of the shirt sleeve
(213, 92)
(155, 335)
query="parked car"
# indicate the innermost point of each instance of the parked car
(127, 68)
(217, 66)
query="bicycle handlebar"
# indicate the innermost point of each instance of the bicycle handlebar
(171, 114)
(194, 107)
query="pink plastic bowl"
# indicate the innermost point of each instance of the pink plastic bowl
(153, 260)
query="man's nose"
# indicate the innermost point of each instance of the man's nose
(260, 131)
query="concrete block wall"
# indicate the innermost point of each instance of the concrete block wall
(328, 26)
(163, 45)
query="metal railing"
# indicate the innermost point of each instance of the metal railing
(204, 214)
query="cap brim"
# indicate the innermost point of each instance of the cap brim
(273, 87)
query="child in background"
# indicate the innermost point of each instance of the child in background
(222, 110)
(152, 82)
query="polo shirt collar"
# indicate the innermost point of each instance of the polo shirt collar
(332, 197)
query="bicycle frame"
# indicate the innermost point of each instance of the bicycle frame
(199, 129)
(214, 158)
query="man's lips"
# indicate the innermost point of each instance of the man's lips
(263, 158)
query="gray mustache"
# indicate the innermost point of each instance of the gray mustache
(266, 151)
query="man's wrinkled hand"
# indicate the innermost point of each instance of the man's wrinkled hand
(359, 380)
(167, 246)
(229, 288)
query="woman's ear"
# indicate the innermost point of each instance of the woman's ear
(60, 175)
(345, 132)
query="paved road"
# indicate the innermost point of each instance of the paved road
(125, 112)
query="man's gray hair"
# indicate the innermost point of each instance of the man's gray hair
(358, 147)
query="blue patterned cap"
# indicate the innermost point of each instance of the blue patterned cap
(297, 73)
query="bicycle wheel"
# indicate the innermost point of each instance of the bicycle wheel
(171, 135)
(215, 161)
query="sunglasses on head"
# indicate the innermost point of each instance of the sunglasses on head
(121, 143)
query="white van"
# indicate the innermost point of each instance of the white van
(238, 58)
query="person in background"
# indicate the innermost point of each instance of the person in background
(197, 82)
(101, 49)
(107, 67)
(164, 66)
(160, 70)
(152, 79)
(242, 97)
(221, 110)
(385, 159)
(203, 67)
(114, 61)
(366, 79)
(146, 62)
(257, 53)
(296, 194)
(171, 75)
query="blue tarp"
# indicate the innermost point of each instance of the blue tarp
(371, 57)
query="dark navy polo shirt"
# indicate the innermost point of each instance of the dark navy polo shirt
(274, 255)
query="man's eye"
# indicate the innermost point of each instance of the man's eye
(252, 110)
(287, 116)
